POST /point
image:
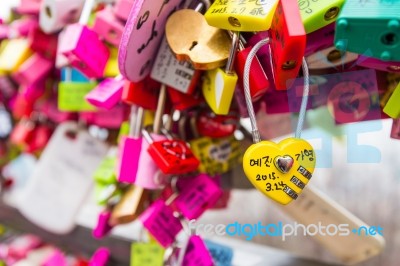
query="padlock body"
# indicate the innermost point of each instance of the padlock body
(108, 27)
(106, 94)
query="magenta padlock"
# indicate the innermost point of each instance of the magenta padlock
(44, 44)
(33, 92)
(122, 8)
(196, 253)
(100, 257)
(320, 39)
(57, 258)
(29, 7)
(196, 196)
(107, 94)
(395, 133)
(56, 14)
(108, 27)
(50, 110)
(33, 70)
(387, 66)
(84, 50)
(103, 226)
(111, 119)
(161, 223)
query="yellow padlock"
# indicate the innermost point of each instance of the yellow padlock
(219, 85)
(13, 54)
(280, 171)
(242, 15)
(112, 69)
(392, 107)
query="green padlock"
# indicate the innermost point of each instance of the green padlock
(71, 96)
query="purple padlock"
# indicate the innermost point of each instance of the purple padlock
(103, 226)
(84, 50)
(122, 8)
(33, 70)
(320, 39)
(196, 196)
(108, 27)
(107, 93)
(196, 253)
(387, 66)
(161, 223)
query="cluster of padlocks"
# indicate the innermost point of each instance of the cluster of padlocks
(162, 82)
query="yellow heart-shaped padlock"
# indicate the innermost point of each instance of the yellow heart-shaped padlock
(280, 171)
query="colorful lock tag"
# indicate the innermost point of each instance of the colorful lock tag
(318, 14)
(100, 257)
(122, 8)
(216, 126)
(280, 171)
(103, 226)
(382, 40)
(108, 27)
(196, 196)
(169, 71)
(288, 42)
(206, 47)
(112, 69)
(219, 85)
(33, 70)
(142, 35)
(161, 223)
(56, 14)
(44, 44)
(196, 253)
(182, 101)
(107, 93)
(241, 15)
(149, 254)
(143, 93)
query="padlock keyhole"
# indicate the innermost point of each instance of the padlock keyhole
(194, 44)
(335, 55)
(389, 39)
(48, 11)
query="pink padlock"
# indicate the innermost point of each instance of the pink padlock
(33, 92)
(24, 26)
(161, 223)
(100, 257)
(29, 7)
(148, 174)
(33, 70)
(122, 9)
(56, 14)
(57, 258)
(320, 39)
(103, 226)
(50, 109)
(44, 44)
(197, 253)
(196, 196)
(108, 27)
(107, 94)
(84, 50)
(130, 148)
(22, 245)
(395, 133)
(4, 31)
(111, 119)
(387, 66)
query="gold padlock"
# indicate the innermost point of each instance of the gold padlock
(13, 54)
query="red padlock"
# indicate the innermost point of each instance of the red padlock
(288, 43)
(182, 101)
(22, 132)
(44, 44)
(143, 93)
(39, 139)
(172, 156)
(216, 126)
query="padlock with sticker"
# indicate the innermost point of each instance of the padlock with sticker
(318, 14)
(279, 171)
(107, 93)
(71, 95)
(383, 38)
(196, 195)
(13, 53)
(288, 42)
(205, 46)
(132, 204)
(259, 82)
(160, 222)
(35, 69)
(82, 46)
(142, 36)
(242, 15)
(130, 148)
(219, 84)
(56, 14)
(108, 27)
(144, 93)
